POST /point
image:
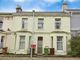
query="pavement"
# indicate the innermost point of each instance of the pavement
(39, 58)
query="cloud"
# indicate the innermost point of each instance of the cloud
(19, 0)
(7, 10)
(24, 10)
(72, 0)
(34, 8)
(52, 1)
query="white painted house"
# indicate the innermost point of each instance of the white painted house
(18, 31)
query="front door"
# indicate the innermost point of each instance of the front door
(40, 43)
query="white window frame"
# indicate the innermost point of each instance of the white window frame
(24, 23)
(22, 42)
(59, 42)
(57, 23)
(40, 23)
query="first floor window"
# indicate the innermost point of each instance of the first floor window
(1, 24)
(59, 43)
(24, 23)
(22, 42)
(40, 23)
(57, 23)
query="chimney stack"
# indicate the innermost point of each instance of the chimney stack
(18, 9)
(64, 6)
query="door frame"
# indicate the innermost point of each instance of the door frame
(42, 44)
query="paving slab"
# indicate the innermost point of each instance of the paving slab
(39, 58)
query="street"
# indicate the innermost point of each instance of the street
(39, 58)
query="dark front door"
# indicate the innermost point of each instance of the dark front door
(40, 43)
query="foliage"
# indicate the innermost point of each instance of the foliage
(75, 46)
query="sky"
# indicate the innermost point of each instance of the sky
(37, 5)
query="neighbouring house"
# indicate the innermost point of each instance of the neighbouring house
(75, 21)
(20, 30)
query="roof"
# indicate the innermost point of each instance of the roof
(36, 13)
(73, 9)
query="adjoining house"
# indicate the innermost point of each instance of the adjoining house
(20, 30)
(75, 21)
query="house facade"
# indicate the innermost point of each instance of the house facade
(43, 29)
(21, 30)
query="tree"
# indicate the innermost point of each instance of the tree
(75, 46)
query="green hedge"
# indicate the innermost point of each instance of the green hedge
(75, 46)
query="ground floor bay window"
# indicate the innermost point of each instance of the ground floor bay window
(54, 44)
(59, 43)
(22, 42)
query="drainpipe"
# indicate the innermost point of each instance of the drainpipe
(71, 14)
(32, 31)
(15, 42)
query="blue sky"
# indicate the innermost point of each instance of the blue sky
(38, 5)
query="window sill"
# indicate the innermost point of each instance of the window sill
(21, 49)
(40, 29)
(59, 50)
(24, 29)
(58, 29)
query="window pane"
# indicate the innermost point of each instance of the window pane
(22, 42)
(40, 23)
(59, 43)
(1, 23)
(57, 23)
(59, 46)
(24, 23)
(59, 38)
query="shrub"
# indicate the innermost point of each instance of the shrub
(75, 46)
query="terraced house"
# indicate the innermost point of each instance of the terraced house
(21, 30)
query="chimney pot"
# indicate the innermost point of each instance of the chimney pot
(18, 9)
